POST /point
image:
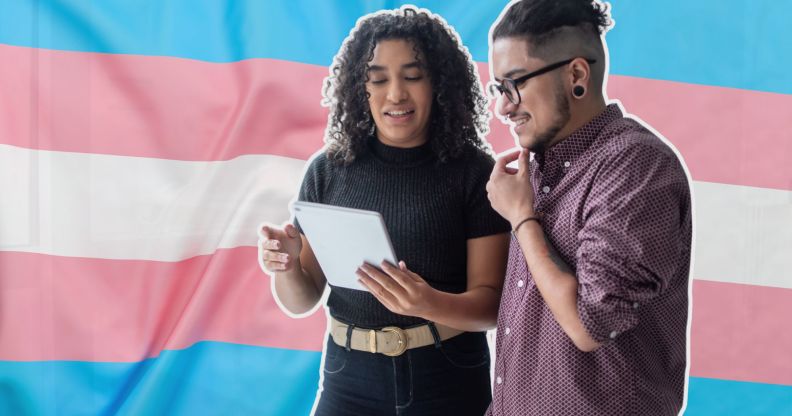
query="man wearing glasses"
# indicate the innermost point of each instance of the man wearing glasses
(594, 308)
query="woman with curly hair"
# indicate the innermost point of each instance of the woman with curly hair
(404, 138)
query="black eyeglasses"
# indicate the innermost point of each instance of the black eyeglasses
(510, 87)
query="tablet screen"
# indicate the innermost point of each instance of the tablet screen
(343, 239)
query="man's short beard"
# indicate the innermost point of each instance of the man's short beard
(544, 139)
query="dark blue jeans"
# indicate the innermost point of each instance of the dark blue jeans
(451, 380)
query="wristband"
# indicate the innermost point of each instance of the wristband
(531, 218)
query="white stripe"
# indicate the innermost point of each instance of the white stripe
(120, 207)
(743, 235)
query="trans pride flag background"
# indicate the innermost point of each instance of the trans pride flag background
(142, 142)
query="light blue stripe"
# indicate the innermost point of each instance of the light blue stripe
(210, 378)
(214, 378)
(740, 43)
(708, 396)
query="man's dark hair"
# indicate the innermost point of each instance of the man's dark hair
(459, 117)
(538, 20)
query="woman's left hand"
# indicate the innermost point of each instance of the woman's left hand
(398, 288)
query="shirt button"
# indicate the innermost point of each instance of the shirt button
(520, 283)
(567, 164)
(508, 330)
(614, 334)
(546, 189)
(499, 380)
(635, 305)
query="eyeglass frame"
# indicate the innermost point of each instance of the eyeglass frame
(517, 82)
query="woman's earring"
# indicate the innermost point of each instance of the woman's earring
(368, 123)
(578, 91)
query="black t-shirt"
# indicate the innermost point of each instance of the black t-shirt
(430, 210)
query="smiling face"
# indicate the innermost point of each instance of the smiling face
(543, 111)
(400, 94)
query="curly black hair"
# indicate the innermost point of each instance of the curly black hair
(459, 116)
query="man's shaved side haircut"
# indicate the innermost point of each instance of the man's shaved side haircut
(559, 29)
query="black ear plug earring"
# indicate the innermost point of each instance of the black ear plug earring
(578, 91)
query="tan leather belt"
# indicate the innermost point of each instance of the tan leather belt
(391, 341)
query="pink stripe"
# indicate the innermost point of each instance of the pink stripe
(741, 332)
(190, 110)
(726, 135)
(61, 308)
(159, 107)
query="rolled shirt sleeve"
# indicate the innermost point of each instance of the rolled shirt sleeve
(632, 239)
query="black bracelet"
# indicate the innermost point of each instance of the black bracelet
(531, 218)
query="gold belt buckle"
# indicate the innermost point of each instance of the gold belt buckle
(402, 341)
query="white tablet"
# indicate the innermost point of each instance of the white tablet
(343, 239)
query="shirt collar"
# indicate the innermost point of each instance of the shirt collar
(568, 150)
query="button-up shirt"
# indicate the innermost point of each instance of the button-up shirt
(615, 201)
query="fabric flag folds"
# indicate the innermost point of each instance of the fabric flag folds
(141, 144)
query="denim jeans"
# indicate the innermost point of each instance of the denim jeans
(453, 379)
